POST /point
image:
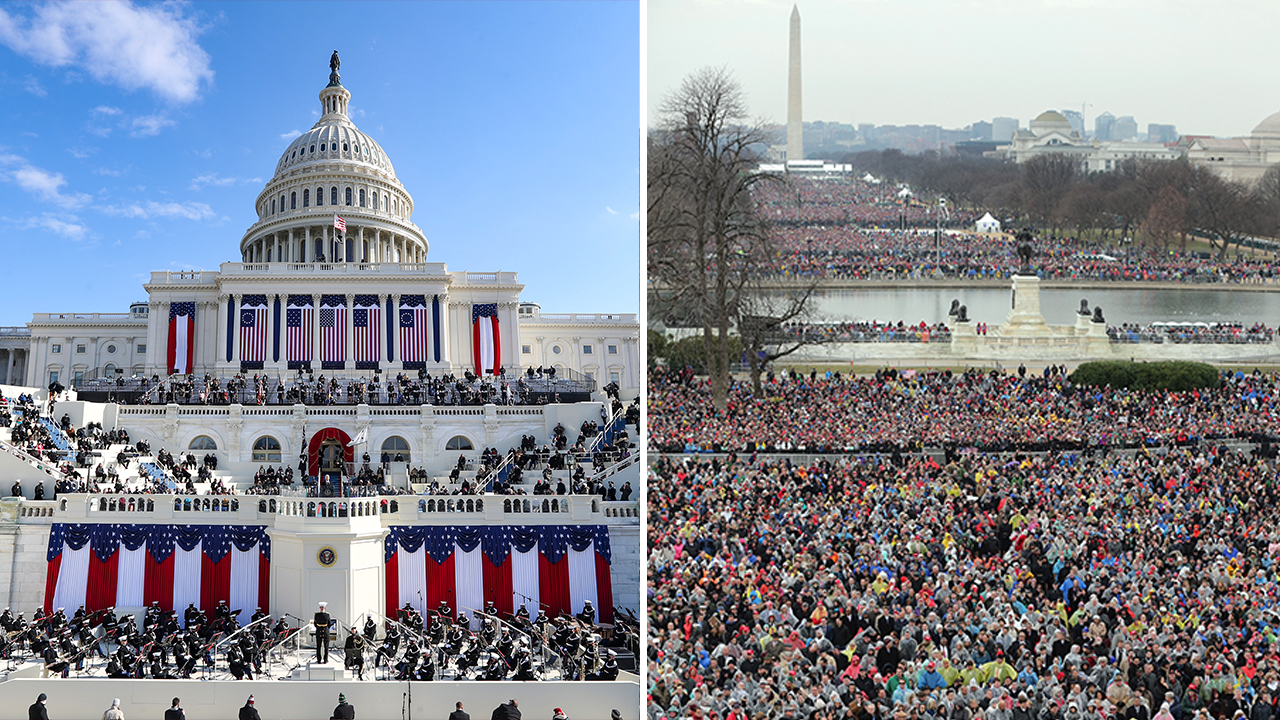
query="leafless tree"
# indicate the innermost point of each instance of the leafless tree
(704, 234)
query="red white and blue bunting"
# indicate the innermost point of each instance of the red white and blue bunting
(101, 565)
(553, 567)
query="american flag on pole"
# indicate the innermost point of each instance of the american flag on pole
(365, 317)
(484, 337)
(298, 320)
(253, 328)
(413, 331)
(333, 332)
(339, 223)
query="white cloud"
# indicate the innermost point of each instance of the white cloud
(106, 110)
(215, 180)
(82, 153)
(67, 226)
(152, 209)
(120, 43)
(635, 215)
(290, 135)
(39, 182)
(34, 87)
(149, 125)
(109, 172)
(611, 210)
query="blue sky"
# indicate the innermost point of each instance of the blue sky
(137, 136)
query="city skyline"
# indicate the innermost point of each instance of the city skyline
(921, 62)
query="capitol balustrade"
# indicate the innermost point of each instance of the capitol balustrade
(328, 513)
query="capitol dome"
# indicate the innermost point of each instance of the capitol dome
(1269, 127)
(1051, 121)
(334, 169)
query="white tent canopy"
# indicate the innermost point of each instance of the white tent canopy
(987, 224)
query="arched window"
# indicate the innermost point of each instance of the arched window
(459, 442)
(344, 147)
(319, 196)
(266, 449)
(322, 147)
(306, 198)
(281, 202)
(273, 206)
(348, 196)
(396, 445)
(361, 197)
(293, 200)
(333, 195)
(313, 148)
(204, 442)
(375, 199)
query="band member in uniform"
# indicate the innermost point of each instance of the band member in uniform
(322, 623)
(354, 652)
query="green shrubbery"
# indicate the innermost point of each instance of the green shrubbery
(1165, 375)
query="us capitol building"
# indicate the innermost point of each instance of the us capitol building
(295, 264)
(305, 299)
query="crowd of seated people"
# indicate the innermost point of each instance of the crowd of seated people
(867, 331)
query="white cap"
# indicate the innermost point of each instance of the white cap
(324, 604)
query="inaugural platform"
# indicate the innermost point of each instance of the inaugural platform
(332, 464)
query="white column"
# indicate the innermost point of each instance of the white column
(220, 330)
(351, 328)
(315, 332)
(162, 340)
(360, 253)
(306, 250)
(395, 327)
(275, 239)
(235, 332)
(290, 253)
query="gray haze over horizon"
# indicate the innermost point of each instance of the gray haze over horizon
(1199, 66)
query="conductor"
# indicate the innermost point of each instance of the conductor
(322, 623)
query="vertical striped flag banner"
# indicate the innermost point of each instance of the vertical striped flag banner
(298, 320)
(182, 336)
(558, 567)
(253, 329)
(413, 331)
(333, 332)
(485, 344)
(365, 319)
(101, 565)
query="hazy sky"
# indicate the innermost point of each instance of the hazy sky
(1203, 66)
(138, 135)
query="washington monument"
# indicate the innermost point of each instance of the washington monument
(795, 120)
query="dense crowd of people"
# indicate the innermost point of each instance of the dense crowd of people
(866, 331)
(1195, 333)
(852, 229)
(1032, 570)
(903, 411)
(536, 386)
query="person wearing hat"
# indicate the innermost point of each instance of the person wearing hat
(459, 714)
(37, 710)
(344, 711)
(175, 712)
(114, 712)
(322, 623)
(249, 712)
(615, 715)
(558, 714)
